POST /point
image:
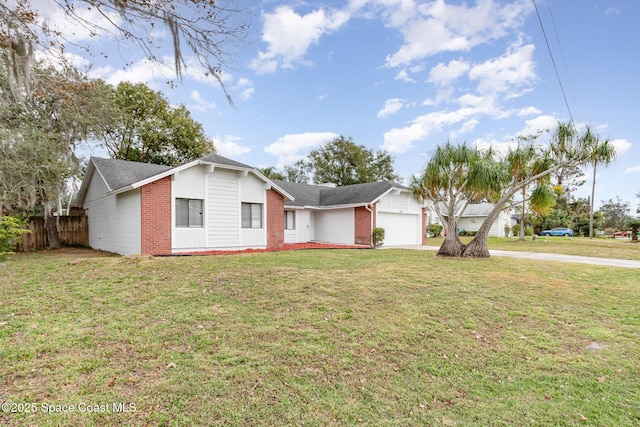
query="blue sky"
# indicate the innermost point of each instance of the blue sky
(406, 75)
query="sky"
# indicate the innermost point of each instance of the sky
(406, 75)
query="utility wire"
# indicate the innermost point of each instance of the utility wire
(564, 62)
(553, 61)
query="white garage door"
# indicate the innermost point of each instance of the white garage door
(400, 229)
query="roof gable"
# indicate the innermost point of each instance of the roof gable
(122, 173)
(322, 197)
(219, 160)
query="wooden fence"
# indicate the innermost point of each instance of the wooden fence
(73, 231)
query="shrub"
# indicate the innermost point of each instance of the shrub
(434, 230)
(11, 228)
(507, 230)
(377, 236)
(516, 230)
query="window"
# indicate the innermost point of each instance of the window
(251, 215)
(189, 213)
(289, 220)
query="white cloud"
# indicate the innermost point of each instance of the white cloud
(539, 124)
(633, 169)
(444, 75)
(400, 140)
(289, 36)
(403, 75)
(74, 28)
(143, 71)
(507, 73)
(229, 146)
(500, 147)
(391, 106)
(245, 86)
(200, 104)
(434, 27)
(528, 111)
(622, 146)
(292, 147)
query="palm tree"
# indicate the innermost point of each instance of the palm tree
(634, 225)
(599, 153)
(564, 151)
(453, 176)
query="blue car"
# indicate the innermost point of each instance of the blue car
(558, 231)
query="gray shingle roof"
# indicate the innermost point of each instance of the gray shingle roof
(320, 196)
(214, 158)
(121, 173)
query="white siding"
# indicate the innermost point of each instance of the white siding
(302, 232)
(470, 224)
(188, 184)
(223, 209)
(401, 217)
(474, 223)
(252, 190)
(303, 226)
(335, 226)
(114, 221)
(400, 228)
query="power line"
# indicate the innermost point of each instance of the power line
(555, 68)
(564, 62)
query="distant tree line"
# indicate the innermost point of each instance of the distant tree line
(339, 161)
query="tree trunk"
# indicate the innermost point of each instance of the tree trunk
(51, 225)
(523, 222)
(478, 248)
(593, 191)
(452, 246)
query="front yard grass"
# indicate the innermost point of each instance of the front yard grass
(333, 337)
(600, 247)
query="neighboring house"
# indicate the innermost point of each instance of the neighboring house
(210, 203)
(215, 203)
(347, 215)
(473, 217)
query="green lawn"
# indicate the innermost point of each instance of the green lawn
(333, 337)
(599, 247)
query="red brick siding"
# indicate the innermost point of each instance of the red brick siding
(155, 216)
(362, 226)
(275, 220)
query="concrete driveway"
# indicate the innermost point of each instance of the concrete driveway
(610, 262)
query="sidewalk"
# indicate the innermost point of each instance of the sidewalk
(610, 262)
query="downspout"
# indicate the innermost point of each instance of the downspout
(371, 228)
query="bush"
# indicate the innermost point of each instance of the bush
(377, 236)
(516, 230)
(507, 230)
(11, 228)
(434, 230)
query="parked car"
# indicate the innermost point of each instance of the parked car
(621, 234)
(558, 231)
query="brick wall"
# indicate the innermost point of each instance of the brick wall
(363, 225)
(155, 213)
(275, 220)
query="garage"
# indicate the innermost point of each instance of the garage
(400, 228)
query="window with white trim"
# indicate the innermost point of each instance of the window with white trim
(251, 215)
(289, 220)
(189, 213)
